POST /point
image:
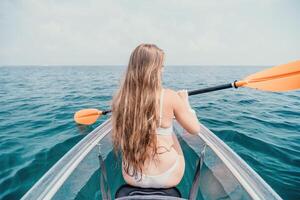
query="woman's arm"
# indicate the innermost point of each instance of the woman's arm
(183, 112)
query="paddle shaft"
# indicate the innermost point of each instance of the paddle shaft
(106, 112)
(211, 89)
(200, 91)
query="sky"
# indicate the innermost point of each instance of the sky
(191, 32)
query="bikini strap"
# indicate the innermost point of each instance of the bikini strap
(161, 106)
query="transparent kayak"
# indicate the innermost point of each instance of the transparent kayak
(90, 170)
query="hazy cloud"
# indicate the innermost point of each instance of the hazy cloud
(190, 32)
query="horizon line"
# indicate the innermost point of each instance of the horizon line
(124, 65)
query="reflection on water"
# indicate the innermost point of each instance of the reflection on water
(84, 129)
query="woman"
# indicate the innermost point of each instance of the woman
(142, 117)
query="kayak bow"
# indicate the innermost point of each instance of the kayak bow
(223, 171)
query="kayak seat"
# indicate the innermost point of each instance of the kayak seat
(128, 190)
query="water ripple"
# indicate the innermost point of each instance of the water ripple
(37, 106)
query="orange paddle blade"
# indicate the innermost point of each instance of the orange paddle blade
(87, 116)
(276, 79)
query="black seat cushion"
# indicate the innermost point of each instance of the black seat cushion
(128, 190)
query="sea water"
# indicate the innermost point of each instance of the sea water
(37, 104)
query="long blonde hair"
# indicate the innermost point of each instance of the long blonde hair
(135, 108)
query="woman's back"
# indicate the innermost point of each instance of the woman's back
(166, 168)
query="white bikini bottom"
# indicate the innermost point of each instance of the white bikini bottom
(155, 181)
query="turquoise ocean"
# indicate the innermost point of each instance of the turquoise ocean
(37, 104)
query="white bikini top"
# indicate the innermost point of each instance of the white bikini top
(160, 130)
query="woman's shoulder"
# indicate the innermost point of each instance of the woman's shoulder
(171, 94)
(169, 91)
(172, 98)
